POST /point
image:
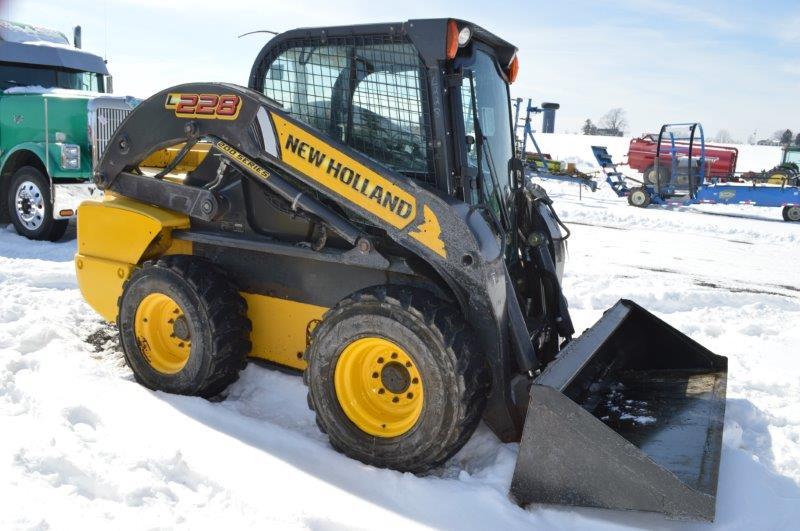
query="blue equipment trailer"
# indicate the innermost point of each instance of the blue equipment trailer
(682, 177)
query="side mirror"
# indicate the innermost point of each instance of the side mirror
(109, 83)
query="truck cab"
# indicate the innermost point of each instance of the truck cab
(55, 114)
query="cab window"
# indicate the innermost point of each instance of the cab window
(367, 93)
(23, 75)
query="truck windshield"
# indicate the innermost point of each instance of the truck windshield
(793, 156)
(484, 96)
(19, 75)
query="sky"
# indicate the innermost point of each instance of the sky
(729, 64)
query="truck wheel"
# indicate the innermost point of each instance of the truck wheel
(638, 197)
(395, 380)
(791, 213)
(30, 208)
(183, 327)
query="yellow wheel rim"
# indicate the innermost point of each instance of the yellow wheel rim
(379, 387)
(162, 333)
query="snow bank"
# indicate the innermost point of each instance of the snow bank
(83, 445)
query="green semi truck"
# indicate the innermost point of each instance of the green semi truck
(56, 116)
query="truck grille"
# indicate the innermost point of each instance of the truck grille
(105, 115)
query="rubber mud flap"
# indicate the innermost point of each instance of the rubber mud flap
(629, 416)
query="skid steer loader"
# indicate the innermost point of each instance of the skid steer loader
(359, 214)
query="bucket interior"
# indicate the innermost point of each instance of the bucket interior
(673, 416)
(655, 387)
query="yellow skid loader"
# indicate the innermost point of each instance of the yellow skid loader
(359, 214)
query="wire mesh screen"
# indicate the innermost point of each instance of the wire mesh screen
(368, 92)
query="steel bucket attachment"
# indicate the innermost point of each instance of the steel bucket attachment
(629, 416)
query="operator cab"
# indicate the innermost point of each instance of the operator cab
(387, 91)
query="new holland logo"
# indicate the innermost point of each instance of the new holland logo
(357, 183)
(344, 175)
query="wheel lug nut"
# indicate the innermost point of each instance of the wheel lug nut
(375, 375)
(415, 380)
(380, 360)
(394, 355)
(408, 364)
(395, 400)
(410, 396)
(381, 391)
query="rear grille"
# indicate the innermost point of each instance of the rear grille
(105, 115)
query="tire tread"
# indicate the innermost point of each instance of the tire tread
(227, 316)
(446, 323)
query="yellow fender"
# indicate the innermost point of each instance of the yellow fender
(116, 235)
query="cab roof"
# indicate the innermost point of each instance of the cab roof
(32, 45)
(428, 35)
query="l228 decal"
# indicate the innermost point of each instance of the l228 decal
(204, 106)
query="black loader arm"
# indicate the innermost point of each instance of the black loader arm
(278, 151)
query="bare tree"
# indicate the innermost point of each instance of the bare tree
(724, 137)
(786, 137)
(615, 120)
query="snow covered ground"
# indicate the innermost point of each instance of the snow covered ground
(82, 445)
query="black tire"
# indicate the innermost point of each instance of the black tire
(639, 197)
(791, 213)
(435, 335)
(215, 319)
(29, 221)
(649, 176)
